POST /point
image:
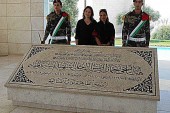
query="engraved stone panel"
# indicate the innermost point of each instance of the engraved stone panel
(108, 71)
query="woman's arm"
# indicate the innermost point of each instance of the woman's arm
(77, 34)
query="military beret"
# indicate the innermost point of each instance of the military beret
(55, 1)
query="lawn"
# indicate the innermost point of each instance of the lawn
(164, 43)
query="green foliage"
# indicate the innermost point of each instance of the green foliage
(153, 42)
(155, 15)
(69, 6)
(119, 18)
(162, 33)
(51, 7)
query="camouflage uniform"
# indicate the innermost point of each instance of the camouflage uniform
(131, 20)
(65, 29)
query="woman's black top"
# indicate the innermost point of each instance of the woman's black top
(84, 33)
(106, 32)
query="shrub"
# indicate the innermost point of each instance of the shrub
(162, 33)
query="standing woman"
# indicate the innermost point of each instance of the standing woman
(105, 30)
(85, 28)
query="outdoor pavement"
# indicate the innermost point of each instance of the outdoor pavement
(9, 63)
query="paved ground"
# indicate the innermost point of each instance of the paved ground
(9, 63)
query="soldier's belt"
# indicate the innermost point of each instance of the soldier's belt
(58, 37)
(137, 39)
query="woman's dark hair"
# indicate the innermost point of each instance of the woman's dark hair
(105, 11)
(92, 13)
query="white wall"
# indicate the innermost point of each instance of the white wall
(113, 8)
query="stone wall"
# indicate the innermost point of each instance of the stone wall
(22, 24)
(3, 28)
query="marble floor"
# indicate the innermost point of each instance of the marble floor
(9, 63)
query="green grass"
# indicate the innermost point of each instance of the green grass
(153, 42)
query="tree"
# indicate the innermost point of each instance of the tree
(119, 18)
(70, 6)
(162, 33)
(155, 15)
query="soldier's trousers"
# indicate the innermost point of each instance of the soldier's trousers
(136, 44)
(63, 41)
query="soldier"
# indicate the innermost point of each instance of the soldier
(136, 28)
(58, 26)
